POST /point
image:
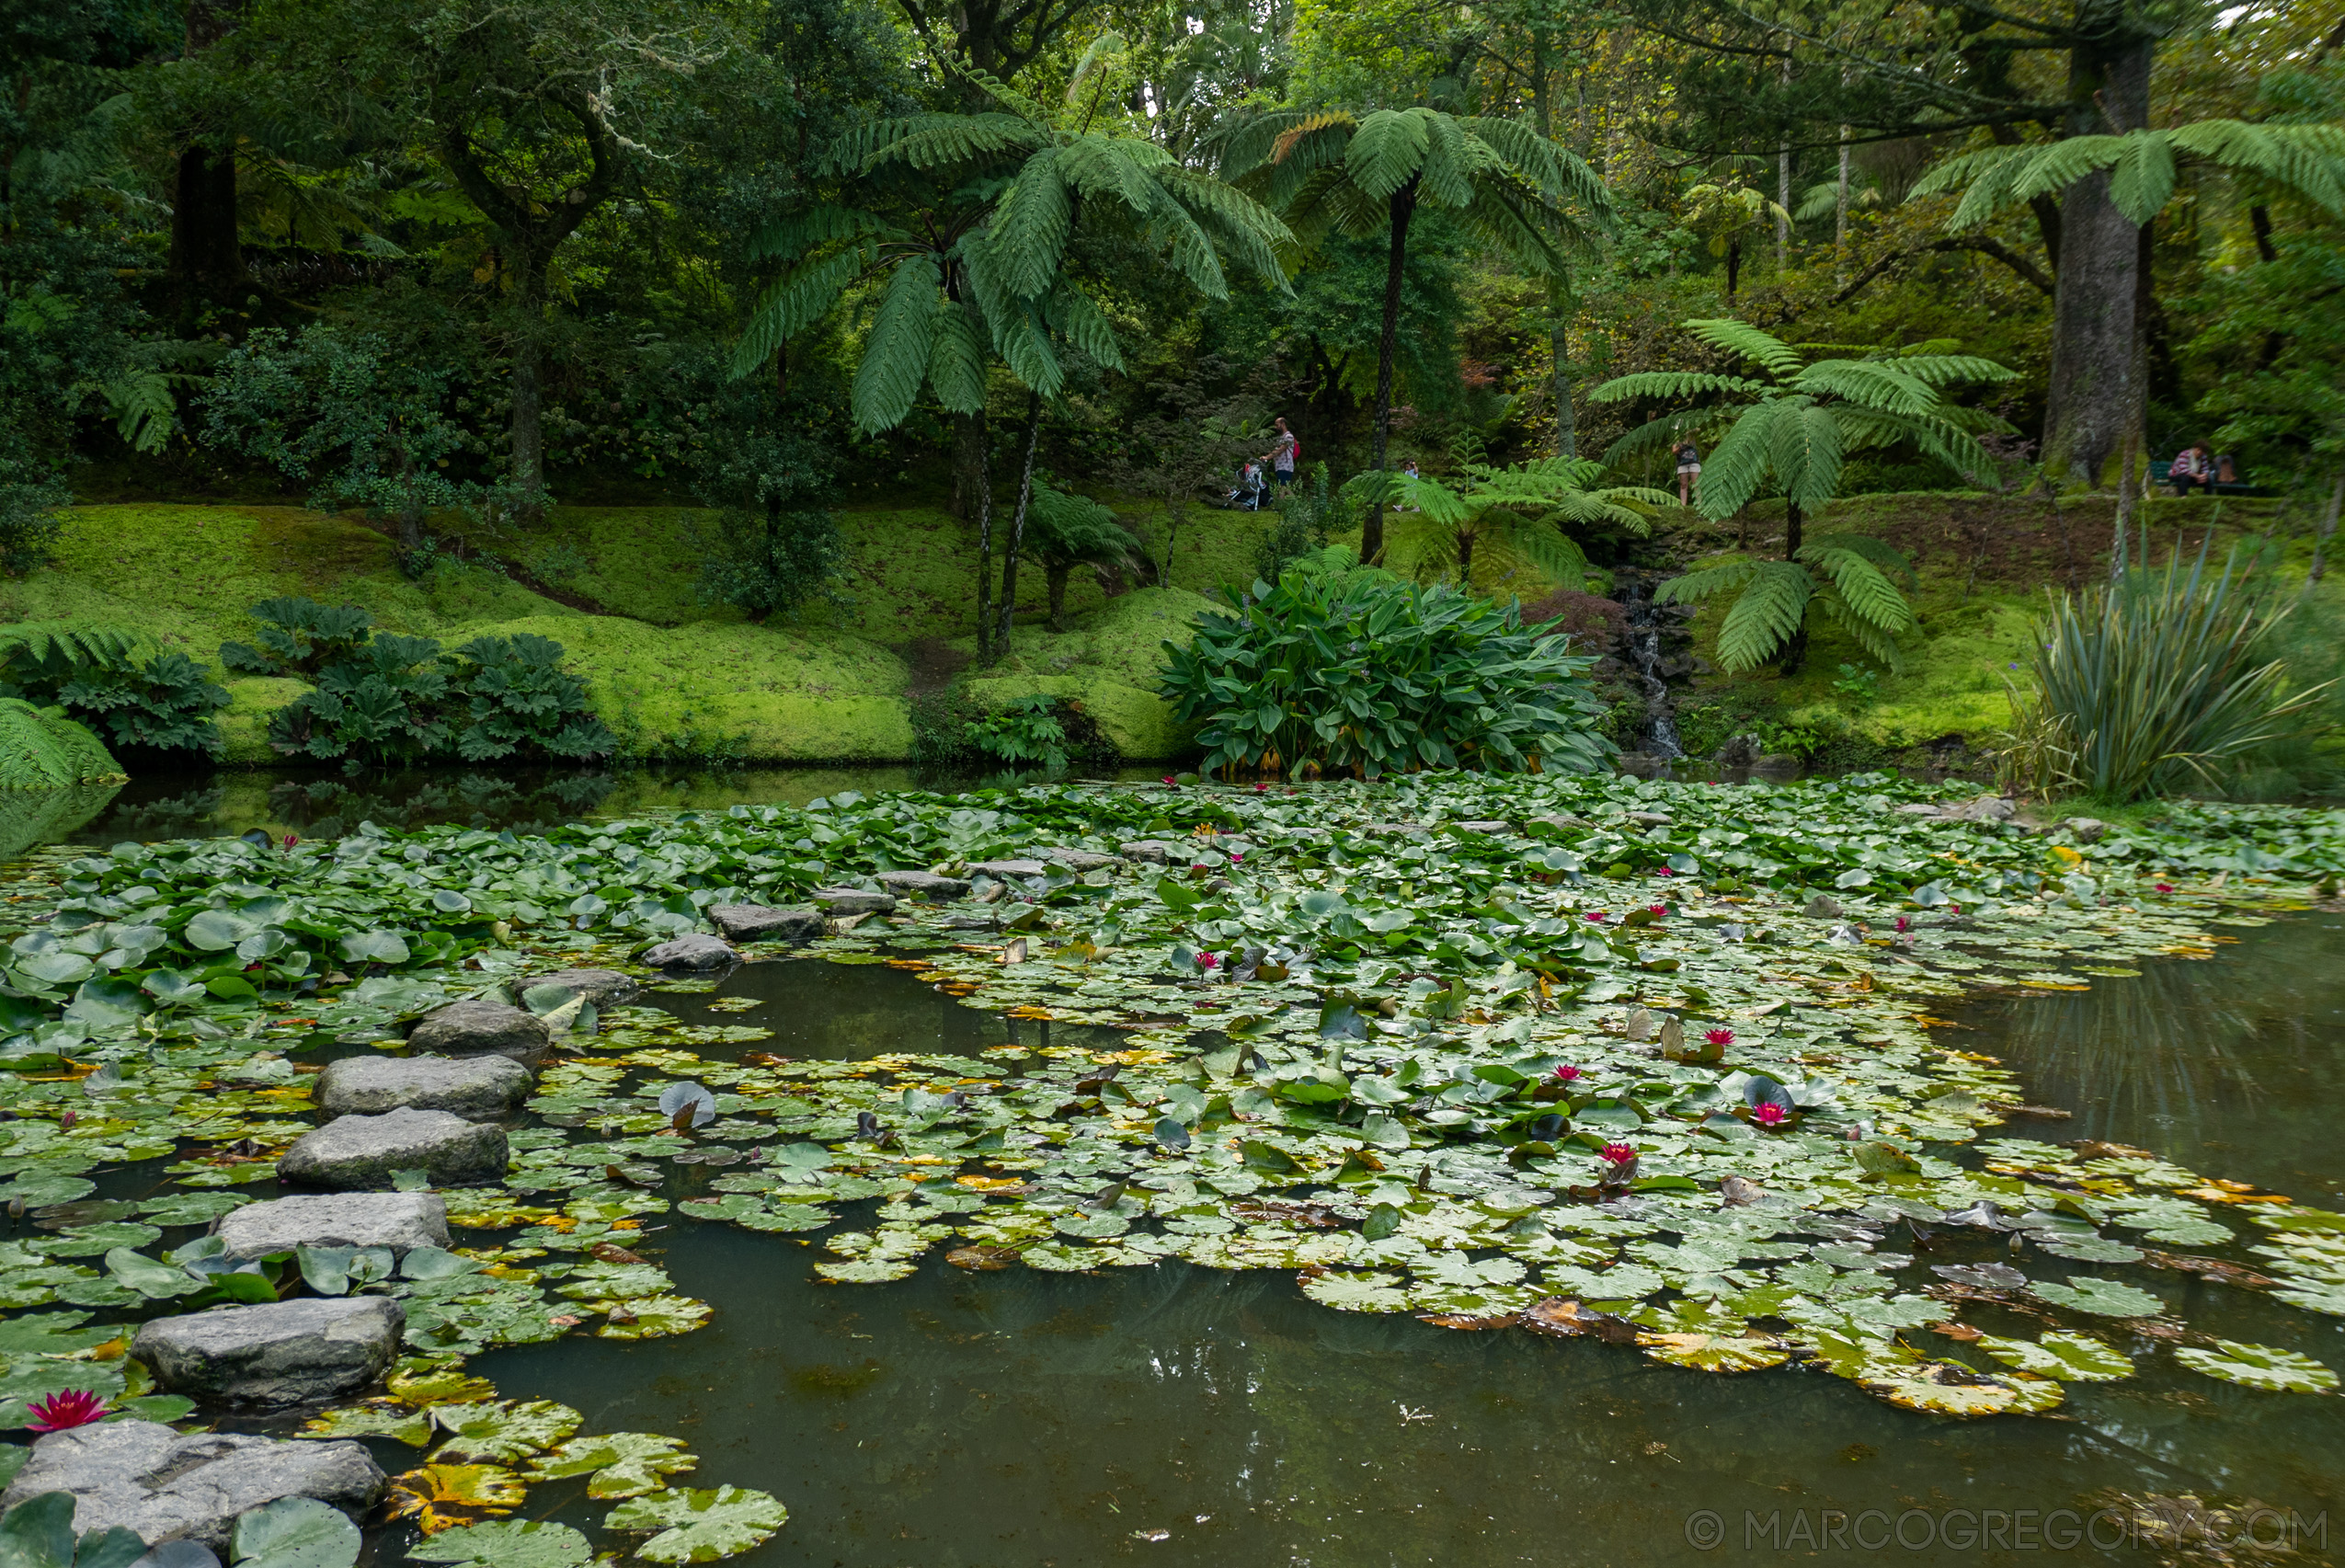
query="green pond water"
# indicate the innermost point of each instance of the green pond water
(1183, 1415)
(1027, 1418)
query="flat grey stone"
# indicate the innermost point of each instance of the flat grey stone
(1777, 762)
(1011, 867)
(282, 1353)
(1382, 829)
(1822, 906)
(1156, 851)
(1084, 860)
(143, 1476)
(479, 1026)
(692, 950)
(1916, 809)
(923, 885)
(840, 901)
(1650, 818)
(359, 1153)
(400, 1221)
(2086, 830)
(1985, 809)
(764, 922)
(481, 1087)
(604, 988)
(1496, 830)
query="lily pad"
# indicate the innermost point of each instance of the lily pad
(699, 1527)
(2259, 1367)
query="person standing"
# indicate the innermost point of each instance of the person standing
(1285, 452)
(1689, 469)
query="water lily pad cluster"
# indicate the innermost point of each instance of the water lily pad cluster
(1648, 1063)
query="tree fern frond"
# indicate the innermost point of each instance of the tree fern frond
(795, 234)
(93, 644)
(2142, 180)
(1555, 170)
(1765, 615)
(1873, 384)
(2063, 163)
(1880, 645)
(1965, 169)
(1306, 130)
(794, 303)
(1556, 555)
(1175, 229)
(1252, 232)
(896, 355)
(1741, 337)
(1660, 435)
(1445, 178)
(1694, 587)
(1676, 384)
(928, 141)
(1945, 370)
(1388, 148)
(957, 358)
(1082, 324)
(1869, 596)
(1880, 552)
(1002, 93)
(1735, 468)
(1028, 235)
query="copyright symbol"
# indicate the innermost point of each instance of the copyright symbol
(1704, 1530)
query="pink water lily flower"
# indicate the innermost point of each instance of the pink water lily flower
(1902, 922)
(1597, 915)
(1565, 1074)
(1206, 961)
(1656, 909)
(1720, 1036)
(1663, 871)
(74, 1407)
(1617, 1154)
(2166, 887)
(1768, 1114)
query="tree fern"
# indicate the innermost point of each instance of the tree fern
(66, 644)
(1740, 338)
(2308, 159)
(1765, 615)
(1870, 595)
(896, 356)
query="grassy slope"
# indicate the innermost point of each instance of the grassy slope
(672, 676)
(1972, 632)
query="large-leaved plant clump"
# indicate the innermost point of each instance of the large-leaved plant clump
(2151, 684)
(115, 682)
(380, 697)
(1333, 672)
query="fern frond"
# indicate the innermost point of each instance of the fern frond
(1869, 596)
(1945, 370)
(956, 359)
(927, 140)
(1741, 337)
(2142, 180)
(1878, 644)
(1250, 232)
(1694, 587)
(1031, 222)
(1765, 615)
(795, 303)
(1445, 178)
(1738, 464)
(1871, 384)
(1083, 324)
(2063, 163)
(1676, 384)
(1557, 172)
(896, 355)
(1966, 170)
(1556, 555)
(795, 234)
(92, 644)
(1388, 148)
(1880, 552)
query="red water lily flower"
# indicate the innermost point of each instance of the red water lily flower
(1767, 1113)
(1168, 778)
(1206, 961)
(1902, 922)
(74, 1407)
(1656, 909)
(1663, 871)
(1237, 857)
(1617, 1154)
(2166, 887)
(291, 838)
(1597, 915)
(1720, 1036)
(1262, 789)
(66, 1118)
(1566, 1074)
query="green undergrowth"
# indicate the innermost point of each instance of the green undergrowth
(673, 677)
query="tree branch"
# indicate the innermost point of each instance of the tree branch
(1983, 243)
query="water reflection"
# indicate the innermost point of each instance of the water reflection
(2224, 1065)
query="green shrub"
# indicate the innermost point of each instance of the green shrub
(1305, 514)
(2151, 684)
(28, 522)
(1339, 671)
(776, 547)
(1026, 731)
(385, 699)
(41, 749)
(110, 680)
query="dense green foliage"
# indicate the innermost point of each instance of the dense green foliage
(2157, 683)
(41, 749)
(111, 680)
(382, 698)
(1325, 673)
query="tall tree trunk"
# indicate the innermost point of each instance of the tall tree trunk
(526, 469)
(1841, 215)
(2094, 305)
(1054, 578)
(969, 474)
(1783, 203)
(205, 262)
(1018, 524)
(1733, 267)
(2128, 447)
(1465, 558)
(1403, 207)
(2328, 531)
(1559, 343)
(985, 558)
(1795, 651)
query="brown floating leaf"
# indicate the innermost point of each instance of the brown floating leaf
(1015, 953)
(609, 1253)
(2098, 1148)
(982, 1257)
(1470, 1320)
(2214, 1269)
(1739, 1191)
(1558, 1316)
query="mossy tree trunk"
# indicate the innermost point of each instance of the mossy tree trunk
(1795, 651)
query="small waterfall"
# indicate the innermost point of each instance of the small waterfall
(1642, 640)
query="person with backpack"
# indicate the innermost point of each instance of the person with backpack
(1284, 457)
(1689, 469)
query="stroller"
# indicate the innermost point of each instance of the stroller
(1251, 490)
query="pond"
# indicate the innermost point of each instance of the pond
(1185, 1415)
(1072, 1412)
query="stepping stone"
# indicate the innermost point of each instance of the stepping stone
(1824, 907)
(480, 1088)
(1650, 818)
(1912, 809)
(763, 923)
(2086, 830)
(479, 1026)
(604, 988)
(143, 1476)
(1082, 860)
(1006, 868)
(691, 951)
(923, 885)
(843, 901)
(1985, 809)
(359, 1153)
(1496, 830)
(401, 1222)
(283, 1352)
(1156, 851)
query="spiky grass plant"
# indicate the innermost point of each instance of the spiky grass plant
(2157, 682)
